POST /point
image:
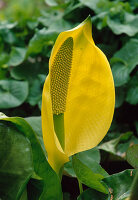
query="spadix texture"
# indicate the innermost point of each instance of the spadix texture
(59, 76)
(80, 87)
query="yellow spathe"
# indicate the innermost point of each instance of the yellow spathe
(89, 101)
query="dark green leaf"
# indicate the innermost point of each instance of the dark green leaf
(112, 146)
(16, 162)
(36, 124)
(90, 194)
(68, 169)
(129, 24)
(7, 25)
(120, 184)
(52, 186)
(88, 177)
(127, 54)
(120, 74)
(91, 4)
(132, 95)
(119, 96)
(132, 155)
(28, 70)
(4, 57)
(91, 158)
(35, 93)
(12, 93)
(24, 195)
(55, 23)
(17, 56)
(41, 38)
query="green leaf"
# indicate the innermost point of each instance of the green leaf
(36, 124)
(17, 56)
(24, 195)
(52, 186)
(7, 25)
(132, 90)
(110, 146)
(16, 162)
(127, 54)
(41, 38)
(91, 194)
(113, 147)
(91, 4)
(28, 70)
(132, 155)
(68, 169)
(88, 177)
(119, 184)
(3, 73)
(120, 74)
(132, 95)
(119, 96)
(12, 93)
(3, 58)
(51, 2)
(55, 23)
(129, 24)
(35, 93)
(91, 158)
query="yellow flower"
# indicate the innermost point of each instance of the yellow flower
(78, 96)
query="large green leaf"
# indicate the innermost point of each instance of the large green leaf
(36, 124)
(17, 56)
(7, 25)
(132, 95)
(116, 15)
(119, 184)
(132, 155)
(12, 93)
(91, 158)
(129, 59)
(91, 194)
(120, 74)
(4, 57)
(6, 31)
(91, 4)
(128, 53)
(119, 96)
(129, 24)
(28, 70)
(41, 38)
(56, 23)
(119, 145)
(52, 186)
(132, 90)
(35, 93)
(88, 177)
(16, 162)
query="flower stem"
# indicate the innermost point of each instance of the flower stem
(59, 128)
(134, 191)
(80, 186)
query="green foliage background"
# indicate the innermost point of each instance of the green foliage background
(28, 30)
